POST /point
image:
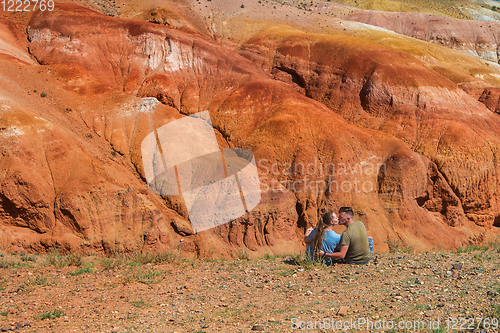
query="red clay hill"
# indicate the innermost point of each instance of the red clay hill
(331, 120)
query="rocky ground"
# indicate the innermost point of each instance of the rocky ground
(396, 292)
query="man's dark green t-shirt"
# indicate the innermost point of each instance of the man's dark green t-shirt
(355, 236)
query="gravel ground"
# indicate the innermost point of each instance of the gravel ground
(397, 292)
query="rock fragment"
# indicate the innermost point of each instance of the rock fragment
(258, 327)
(343, 310)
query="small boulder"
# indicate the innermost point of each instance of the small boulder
(258, 327)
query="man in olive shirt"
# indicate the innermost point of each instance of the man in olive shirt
(355, 247)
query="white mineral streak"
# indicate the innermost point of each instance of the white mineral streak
(182, 57)
(154, 47)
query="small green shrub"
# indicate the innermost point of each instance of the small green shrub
(398, 246)
(147, 277)
(54, 258)
(83, 270)
(1, 284)
(32, 283)
(27, 257)
(471, 248)
(267, 256)
(140, 304)
(139, 258)
(168, 258)
(243, 254)
(39, 281)
(51, 314)
(441, 329)
(4, 263)
(154, 258)
(111, 263)
(75, 259)
(307, 262)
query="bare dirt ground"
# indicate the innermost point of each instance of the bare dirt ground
(396, 292)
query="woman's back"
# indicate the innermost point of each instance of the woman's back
(330, 241)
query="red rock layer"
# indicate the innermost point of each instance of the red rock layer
(73, 177)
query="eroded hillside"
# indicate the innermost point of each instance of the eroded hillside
(403, 130)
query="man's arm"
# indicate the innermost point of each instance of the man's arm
(336, 255)
(306, 237)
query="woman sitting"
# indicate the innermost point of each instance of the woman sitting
(323, 238)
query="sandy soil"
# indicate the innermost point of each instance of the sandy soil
(163, 293)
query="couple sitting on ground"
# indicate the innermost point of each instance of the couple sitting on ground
(354, 246)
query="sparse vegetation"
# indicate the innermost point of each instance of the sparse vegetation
(269, 289)
(138, 258)
(83, 270)
(473, 248)
(268, 256)
(243, 254)
(307, 262)
(5, 263)
(27, 257)
(140, 304)
(147, 277)
(494, 311)
(54, 258)
(50, 314)
(441, 329)
(172, 257)
(2, 283)
(43, 94)
(33, 283)
(399, 245)
(74, 259)
(111, 263)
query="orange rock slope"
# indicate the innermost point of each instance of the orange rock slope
(354, 123)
